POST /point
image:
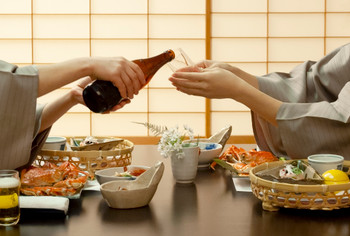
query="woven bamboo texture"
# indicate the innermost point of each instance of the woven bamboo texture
(91, 161)
(275, 195)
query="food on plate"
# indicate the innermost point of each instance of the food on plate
(243, 161)
(132, 172)
(88, 140)
(52, 180)
(293, 172)
(335, 177)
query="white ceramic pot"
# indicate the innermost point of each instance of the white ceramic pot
(185, 168)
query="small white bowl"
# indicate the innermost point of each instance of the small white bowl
(324, 162)
(55, 143)
(109, 174)
(206, 155)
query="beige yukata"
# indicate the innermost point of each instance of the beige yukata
(20, 116)
(315, 115)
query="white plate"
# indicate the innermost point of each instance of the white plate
(242, 184)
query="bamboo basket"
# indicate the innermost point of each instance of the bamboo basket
(275, 195)
(90, 161)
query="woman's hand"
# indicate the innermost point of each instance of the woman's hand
(212, 82)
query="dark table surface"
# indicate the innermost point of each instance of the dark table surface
(210, 206)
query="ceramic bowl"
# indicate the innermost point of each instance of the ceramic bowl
(109, 174)
(324, 162)
(124, 194)
(209, 151)
(55, 143)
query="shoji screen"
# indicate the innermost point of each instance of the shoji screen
(260, 36)
(263, 36)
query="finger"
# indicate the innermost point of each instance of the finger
(121, 104)
(139, 73)
(188, 76)
(135, 81)
(189, 69)
(128, 85)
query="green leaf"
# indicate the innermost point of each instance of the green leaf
(155, 129)
(225, 165)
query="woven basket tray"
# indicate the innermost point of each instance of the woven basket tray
(90, 161)
(314, 197)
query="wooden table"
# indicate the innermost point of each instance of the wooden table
(210, 206)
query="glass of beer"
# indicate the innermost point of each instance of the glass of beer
(9, 197)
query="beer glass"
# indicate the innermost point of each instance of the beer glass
(9, 197)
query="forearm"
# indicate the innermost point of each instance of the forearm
(53, 111)
(259, 102)
(56, 75)
(250, 79)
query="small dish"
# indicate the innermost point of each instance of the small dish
(123, 194)
(55, 143)
(208, 151)
(324, 162)
(110, 174)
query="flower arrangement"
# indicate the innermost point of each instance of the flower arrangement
(171, 139)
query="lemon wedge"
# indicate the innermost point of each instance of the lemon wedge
(8, 201)
(335, 177)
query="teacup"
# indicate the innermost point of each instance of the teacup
(324, 162)
(55, 143)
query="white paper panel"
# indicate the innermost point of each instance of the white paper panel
(50, 51)
(338, 5)
(337, 24)
(137, 104)
(58, 94)
(118, 124)
(333, 43)
(171, 100)
(129, 49)
(296, 6)
(195, 49)
(239, 50)
(118, 6)
(239, 6)
(61, 6)
(161, 78)
(18, 26)
(240, 121)
(239, 25)
(119, 26)
(178, 6)
(16, 51)
(59, 26)
(195, 121)
(15, 6)
(291, 25)
(176, 26)
(281, 67)
(72, 125)
(227, 105)
(252, 68)
(295, 49)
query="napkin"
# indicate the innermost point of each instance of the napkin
(44, 202)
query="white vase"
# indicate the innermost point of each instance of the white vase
(185, 168)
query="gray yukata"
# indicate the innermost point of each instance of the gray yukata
(315, 114)
(20, 116)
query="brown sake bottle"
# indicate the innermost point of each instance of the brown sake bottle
(101, 96)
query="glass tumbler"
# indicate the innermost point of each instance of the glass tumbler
(9, 197)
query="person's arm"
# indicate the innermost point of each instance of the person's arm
(124, 74)
(221, 83)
